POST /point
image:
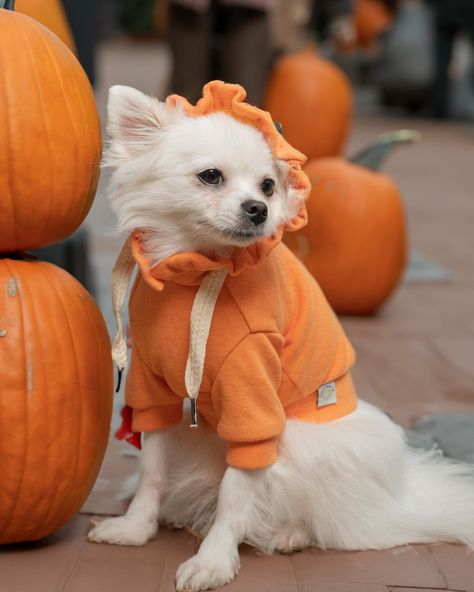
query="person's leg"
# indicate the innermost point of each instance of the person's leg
(444, 40)
(246, 50)
(190, 35)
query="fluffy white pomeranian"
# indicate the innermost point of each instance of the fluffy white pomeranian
(211, 185)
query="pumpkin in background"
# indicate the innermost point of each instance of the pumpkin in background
(355, 240)
(312, 99)
(49, 13)
(56, 397)
(371, 18)
(50, 137)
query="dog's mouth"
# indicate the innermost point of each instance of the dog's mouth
(235, 236)
(242, 235)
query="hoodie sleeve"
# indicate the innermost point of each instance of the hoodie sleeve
(155, 406)
(245, 396)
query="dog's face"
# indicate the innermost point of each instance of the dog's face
(204, 183)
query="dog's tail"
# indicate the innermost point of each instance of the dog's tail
(439, 500)
(370, 490)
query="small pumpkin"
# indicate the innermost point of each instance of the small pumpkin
(49, 13)
(312, 98)
(50, 137)
(55, 397)
(371, 18)
(355, 242)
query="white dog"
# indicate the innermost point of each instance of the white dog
(352, 483)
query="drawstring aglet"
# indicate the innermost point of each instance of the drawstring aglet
(119, 379)
(194, 414)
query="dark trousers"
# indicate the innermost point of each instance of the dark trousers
(444, 41)
(229, 43)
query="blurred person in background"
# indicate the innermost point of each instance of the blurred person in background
(334, 20)
(452, 17)
(226, 39)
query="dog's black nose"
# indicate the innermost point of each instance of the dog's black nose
(256, 211)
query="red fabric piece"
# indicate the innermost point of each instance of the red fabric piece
(125, 431)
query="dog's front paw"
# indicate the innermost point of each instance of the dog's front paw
(122, 530)
(204, 573)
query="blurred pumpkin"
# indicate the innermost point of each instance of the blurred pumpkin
(355, 240)
(371, 18)
(312, 98)
(55, 399)
(50, 137)
(49, 13)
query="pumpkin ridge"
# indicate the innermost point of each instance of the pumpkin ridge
(27, 44)
(44, 403)
(95, 165)
(68, 109)
(9, 144)
(75, 356)
(93, 340)
(25, 431)
(71, 294)
(101, 408)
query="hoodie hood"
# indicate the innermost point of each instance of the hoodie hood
(190, 268)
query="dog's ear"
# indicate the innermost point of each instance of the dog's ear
(133, 120)
(292, 199)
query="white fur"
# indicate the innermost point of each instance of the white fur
(348, 484)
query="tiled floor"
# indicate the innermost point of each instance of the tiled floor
(414, 357)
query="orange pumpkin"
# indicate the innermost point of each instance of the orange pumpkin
(355, 240)
(55, 398)
(312, 99)
(49, 13)
(50, 138)
(371, 18)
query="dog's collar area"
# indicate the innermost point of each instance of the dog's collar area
(190, 268)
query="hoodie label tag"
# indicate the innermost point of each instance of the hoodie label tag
(327, 394)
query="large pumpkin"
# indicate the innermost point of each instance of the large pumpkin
(50, 139)
(312, 99)
(55, 397)
(355, 240)
(49, 13)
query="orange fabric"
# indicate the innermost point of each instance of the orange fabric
(273, 341)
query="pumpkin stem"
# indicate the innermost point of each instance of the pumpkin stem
(7, 4)
(373, 156)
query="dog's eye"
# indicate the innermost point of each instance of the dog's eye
(210, 176)
(267, 187)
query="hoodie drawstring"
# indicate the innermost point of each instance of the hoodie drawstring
(200, 321)
(200, 324)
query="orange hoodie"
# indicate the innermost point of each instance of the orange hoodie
(275, 348)
(274, 340)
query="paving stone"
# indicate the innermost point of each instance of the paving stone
(43, 566)
(340, 587)
(402, 566)
(262, 573)
(456, 563)
(150, 568)
(397, 589)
